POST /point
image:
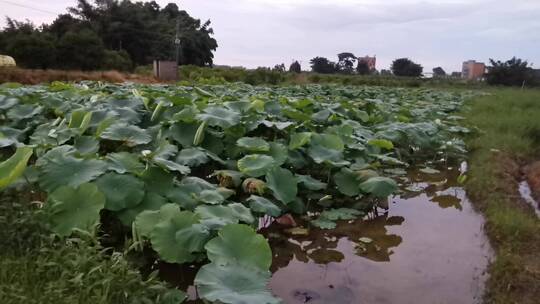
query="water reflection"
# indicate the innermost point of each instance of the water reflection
(320, 245)
(428, 247)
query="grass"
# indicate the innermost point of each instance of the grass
(38, 268)
(508, 137)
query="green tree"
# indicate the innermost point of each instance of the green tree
(322, 65)
(117, 60)
(513, 72)
(35, 51)
(81, 50)
(346, 62)
(406, 67)
(295, 67)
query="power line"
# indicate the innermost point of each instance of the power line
(29, 7)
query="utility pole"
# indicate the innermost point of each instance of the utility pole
(177, 41)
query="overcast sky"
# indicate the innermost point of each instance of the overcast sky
(434, 33)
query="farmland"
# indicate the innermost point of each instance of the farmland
(217, 179)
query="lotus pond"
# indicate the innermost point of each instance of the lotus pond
(233, 182)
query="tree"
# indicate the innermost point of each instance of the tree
(117, 60)
(439, 72)
(322, 65)
(81, 50)
(513, 72)
(142, 29)
(363, 68)
(406, 67)
(34, 51)
(279, 68)
(295, 67)
(346, 62)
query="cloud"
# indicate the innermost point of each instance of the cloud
(433, 32)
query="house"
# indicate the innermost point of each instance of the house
(370, 61)
(473, 70)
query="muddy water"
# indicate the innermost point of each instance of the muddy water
(429, 247)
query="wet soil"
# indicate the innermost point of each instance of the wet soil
(532, 175)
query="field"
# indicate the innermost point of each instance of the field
(185, 174)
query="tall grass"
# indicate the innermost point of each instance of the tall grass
(38, 268)
(508, 136)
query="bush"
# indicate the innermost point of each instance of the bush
(117, 60)
(82, 50)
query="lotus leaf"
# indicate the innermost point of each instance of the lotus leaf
(283, 184)
(234, 284)
(75, 208)
(178, 239)
(239, 244)
(255, 165)
(121, 191)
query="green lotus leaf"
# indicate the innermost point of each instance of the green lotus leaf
(239, 244)
(75, 208)
(80, 120)
(147, 220)
(9, 136)
(123, 162)
(86, 145)
(234, 284)
(23, 111)
(12, 168)
(7, 102)
(324, 223)
(172, 166)
(192, 157)
(379, 186)
(184, 195)
(278, 152)
(66, 170)
(157, 180)
(253, 144)
(326, 148)
(187, 114)
(178, 239)
(381, 143)
(49, 134)
(311, 183)
(219, 116)
(184, 133)
(198, 182)
(215, 217)
(299, 139)
(262, 205)
(121, 191)
(283, 184)
(131, 135)
(255, 165)
(347, 182)
(341, 214)
(150, 202)
(212, 197)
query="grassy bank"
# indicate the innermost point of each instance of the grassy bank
(508, 138)
(37, 268)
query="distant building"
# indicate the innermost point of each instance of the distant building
(370, 61)
(473, 70)
(439, 72)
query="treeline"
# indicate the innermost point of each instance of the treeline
(109, 34)
(349, 64)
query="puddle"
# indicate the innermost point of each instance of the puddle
(526, 194)
(428, 247)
